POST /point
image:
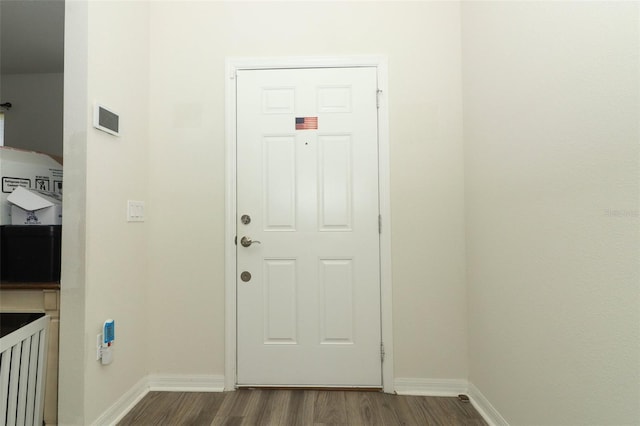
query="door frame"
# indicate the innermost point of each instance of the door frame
(386, 305)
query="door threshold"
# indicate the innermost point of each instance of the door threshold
(311, 388)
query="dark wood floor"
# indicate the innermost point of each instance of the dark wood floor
(298, 407)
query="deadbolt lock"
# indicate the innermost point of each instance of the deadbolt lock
(245, 219)
(245, 276)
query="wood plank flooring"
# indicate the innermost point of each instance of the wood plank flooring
(298, 408)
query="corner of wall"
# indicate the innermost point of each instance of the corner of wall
(484, 407)
(72, 292)
(158, 383)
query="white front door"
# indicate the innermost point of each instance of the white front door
(308, 287)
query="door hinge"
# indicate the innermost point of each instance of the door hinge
(378, 93)
(379, 224)
(381, 351)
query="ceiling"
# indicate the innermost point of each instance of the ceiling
(31, 36)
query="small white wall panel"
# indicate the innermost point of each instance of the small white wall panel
(280, 301)
(279, 183)
(336, 301)
(335, 183)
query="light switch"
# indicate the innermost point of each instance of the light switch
(135, 211)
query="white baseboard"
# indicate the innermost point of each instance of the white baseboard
(430, 387)
(484, 407)
(215, 383)
(158, 382)
(125, 403)
(186, 383)
(451, 387)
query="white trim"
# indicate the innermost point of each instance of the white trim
(384, 185)
(451, 387)
(158, 382)
(484, 407)
(431, 387)
(124, 404)
(230, 229)
(186, 383)
(235, 64)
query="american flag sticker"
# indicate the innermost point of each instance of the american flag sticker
(306, 123)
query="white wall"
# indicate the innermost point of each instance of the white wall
(189, 44)
(551, 112)
(163, 281)
(105, 273)
(34, 121)
(551, 102)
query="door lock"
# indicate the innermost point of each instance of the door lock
(247, 241)
(245, 276)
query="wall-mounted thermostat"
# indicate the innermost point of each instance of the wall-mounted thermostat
(106, 120)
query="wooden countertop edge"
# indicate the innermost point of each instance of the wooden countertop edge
(5, 285)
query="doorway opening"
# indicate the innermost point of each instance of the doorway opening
(234, 66)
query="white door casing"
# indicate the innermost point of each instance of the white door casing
(307, 177)
(279, 170)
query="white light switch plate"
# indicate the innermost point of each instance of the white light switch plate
(135, 211)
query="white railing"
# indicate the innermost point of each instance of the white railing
(22, 374)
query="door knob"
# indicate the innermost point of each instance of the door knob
(246, 242)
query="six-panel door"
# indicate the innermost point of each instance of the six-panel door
(307, 181)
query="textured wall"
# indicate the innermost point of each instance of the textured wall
(422, 42)
(551, 103)
(105, 272)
